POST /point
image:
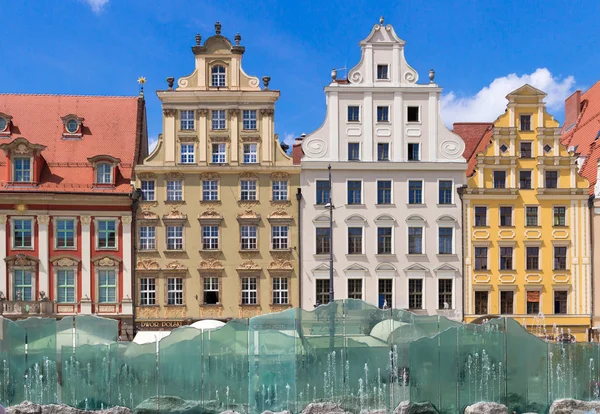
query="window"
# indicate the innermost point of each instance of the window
(107, 234)
(218, 76)
(533, 302)
(210, 190)
(383, 114)
(526, 150)
(560, 257)
(23, 170)
(506, 216)
(148, 193)
(147, 238)
(218, 119)
(384, 240)
(551, 179)
(248, 190)
(354, 192)
(481, 258)
(187, 153)
(354, 288)
(210, 237)
(279, 237)
(147, 291)
(382, 72)
(413, 152)
(323, 240)
(415, 192)
(322, 291)
(415, 293)
(65, 233)
(480, 216)
(72, 126)
(503, 148)
(412, 114)
(445, 294)
(525, 122)
(107, 286)
(280, 291)
(445, 192)
(384, 192)
(383, 151)
(174, 190)
(560, 301)
(249, 237)
(322, 192)
(353, 151)
(446, 242)
(249, 119)
(219, 153)
(531, 216)
(506, 258)
(499, 179)
(481, 302)
(532, 258)
(507, 302)
(250, 153)
(560, 216)
(353, 114)
(547, 148)
(385, 293)
(355, 240)
(174, 291)
(249, 291)
(279, 190)
(210, 291)
(174, 237)
(65, 283)
(104, 174)
(23, 285)
(415, 240)
(525, 180)
(187, 120)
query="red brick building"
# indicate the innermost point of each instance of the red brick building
(66, 237)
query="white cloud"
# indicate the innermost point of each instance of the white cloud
(490, 102)
(289, 138)
(96, 5)
(152, 141)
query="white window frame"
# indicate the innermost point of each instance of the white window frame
(218, 118)
(362, 238)
(187, 157)
(148, 191)
(567, 257)
(186, 122)
(530, 122)
(13, 229)
(249, 120)
(250, 153)
(362, 286)
(29, 170)
(512, 289)
(174, 193)
(246, 288)
(487, 215)
(279, 240)
(390, 305)
(386, 226)
(213, 241)
(280, 193)
(566, 207)
(569, 299)
(487, 258)
(451, 191)
(482, 289)
(213, 285)
(512, 256)
(221, 153)
(148, 291)
(97, 231)
(420, 114)
(537, 208)
(391, 203)
(218, 79)
(178, 288)
(423, 290)
(422, 227)
(175, 237)
(512, 215)
(147, 242)
(359, 151)
(362, 192)
(453, 239)
(209, 193)
(389, 114)
(408, 192)
(249, 237)
(359, 113)
(419, 157)
(453, 293)
(101, 176)
(326, 294)
(55, 221)
(279, 290)
(387, 71)
(249, 190)
(528, 244)
(389, 150)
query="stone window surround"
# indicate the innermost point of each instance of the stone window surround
(96, 234)
(219, 281)
(97, 270)
(11, 279)
(55, 230)
(75, 268)
(166, 289)
(217, 62)
(12, 231)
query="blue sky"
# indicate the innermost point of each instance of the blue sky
(480, 50)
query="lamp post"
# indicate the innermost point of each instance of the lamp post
(330, 206)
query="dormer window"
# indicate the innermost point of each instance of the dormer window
(22, 170)
(218, 76)
(382, 72)
(72, 126)
(5, 124)
(25, 160)
(104, 173)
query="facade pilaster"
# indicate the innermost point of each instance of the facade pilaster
(86, 265)
(127, 266)
(3, 249)
(43, 254)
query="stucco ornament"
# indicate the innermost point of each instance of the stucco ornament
(147, 264)
(175, 265)
(248, 265)
(315, 147)
(452, 149)
(65, 262)
(211, 265)
(280, 265)
(106, 262)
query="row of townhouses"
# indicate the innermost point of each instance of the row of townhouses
(220, 220)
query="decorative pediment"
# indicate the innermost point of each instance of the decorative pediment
(280, 176)
(175, 215)
(219, 138)
(210, 215)
(209, 176)
(447, 219)
(280, 266)
(146, 176)
(279, 215)
(248, 266)
(355, 267)
(385, 267)
(323, 218)
(416, 267)
(248, 176)
(211, 264)
(21, 260)
(446, 268)
(323, 267)
(106, 261)
(251, 138)
(248, 216)
(188, 138)
(104, 158)
(356, 219)
(416, 219)
(72, 125)
(21, 146)
(385, 219)
(65, 261)
(147, 215)
(174, 176)
(174, 266)
(147, 264)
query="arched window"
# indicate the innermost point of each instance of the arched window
(104, 173)
(218, 76)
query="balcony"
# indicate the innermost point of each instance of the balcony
(10, 308)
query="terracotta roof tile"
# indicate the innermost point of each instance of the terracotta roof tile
(477, 136)
(112, 126)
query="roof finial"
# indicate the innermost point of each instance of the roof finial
(198, 39)
(218, 28)
(141, 80)
(431, 75)
(238, 39)
(170, 81)
(381, 20)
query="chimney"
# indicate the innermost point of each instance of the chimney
(572, 109)
(297, 152)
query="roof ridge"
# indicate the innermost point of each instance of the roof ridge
(68, 95)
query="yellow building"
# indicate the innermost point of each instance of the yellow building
(217, 220)
(527, 247)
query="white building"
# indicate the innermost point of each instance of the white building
(396, 169)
